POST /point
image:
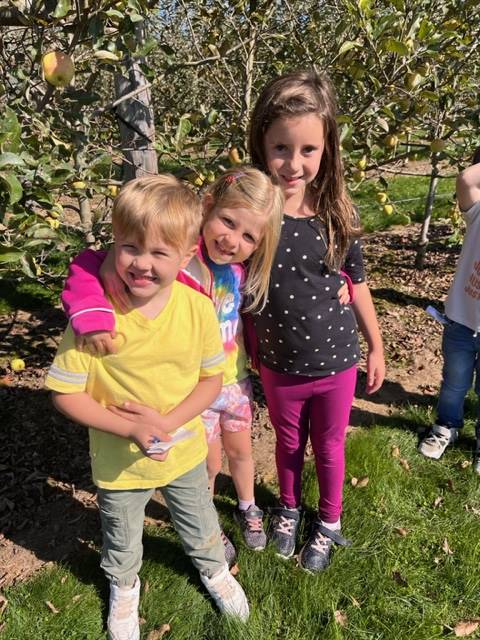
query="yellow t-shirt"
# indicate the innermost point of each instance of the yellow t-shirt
(159, 362)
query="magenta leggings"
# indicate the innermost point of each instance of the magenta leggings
(320, 407)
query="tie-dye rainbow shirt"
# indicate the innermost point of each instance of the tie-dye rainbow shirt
(227, 298)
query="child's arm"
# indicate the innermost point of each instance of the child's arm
(82, 408)
(468, 187)
(86, 304)
(368, 324)
(199, 399)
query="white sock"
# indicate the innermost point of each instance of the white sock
(332, 526)
(244, 504)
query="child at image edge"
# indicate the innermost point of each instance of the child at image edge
(307, 340)
(461, 335)
(170, 356)
(242, 217)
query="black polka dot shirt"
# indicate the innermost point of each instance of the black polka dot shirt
(303, 329)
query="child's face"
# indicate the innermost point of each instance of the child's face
(293, 150)
(232, 235)
(149, 269)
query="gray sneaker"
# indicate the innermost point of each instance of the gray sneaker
(315, 554)
(230, 552)
(251, 525)
(285, 523)
(437, 440)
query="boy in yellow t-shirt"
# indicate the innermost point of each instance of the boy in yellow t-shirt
(170, 357)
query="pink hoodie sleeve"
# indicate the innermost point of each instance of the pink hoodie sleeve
(83, 296)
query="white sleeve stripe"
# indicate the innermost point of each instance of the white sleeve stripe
(67, 376)
(79, 313)
(214, 360)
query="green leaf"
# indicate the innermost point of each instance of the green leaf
(12, 185)
(212, 116)
(347, 45)
(28, 266)
(135, 17)
(113, 13)
(364, 5)
(183, 129)
(63, 7)
(10, 254)
(10, 131)
(396, 46)
(383, 124)
(10, 159)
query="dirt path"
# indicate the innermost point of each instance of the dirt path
(47, 502)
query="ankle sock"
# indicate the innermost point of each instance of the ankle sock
(331, 526)
(244, 504)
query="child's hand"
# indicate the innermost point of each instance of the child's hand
(112, 283)
(145, 435)
(141, 415)
(375, 371)
(96, 343)
(343, 294)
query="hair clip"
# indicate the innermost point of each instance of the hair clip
(233, 177)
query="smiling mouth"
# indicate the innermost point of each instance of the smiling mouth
(292, 180)
(222, 251)
(141, 280)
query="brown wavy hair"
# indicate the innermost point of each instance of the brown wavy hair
(296, 94)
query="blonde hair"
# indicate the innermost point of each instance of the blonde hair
(296, 94)
(249, 188)
(158, 205)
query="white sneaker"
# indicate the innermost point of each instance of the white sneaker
(228, 594)
(122, 623)
(436, 441)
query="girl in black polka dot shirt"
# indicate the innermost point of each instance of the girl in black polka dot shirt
(307, 340)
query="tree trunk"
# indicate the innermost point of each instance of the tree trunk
(427, 216)
(136, 121)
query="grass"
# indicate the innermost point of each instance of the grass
(407, 194)
(399, 580)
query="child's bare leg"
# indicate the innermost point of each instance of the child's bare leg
(238, 448)
(214, 462)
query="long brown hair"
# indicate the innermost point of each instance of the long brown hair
(296, 94)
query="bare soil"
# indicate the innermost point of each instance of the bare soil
(48, 508)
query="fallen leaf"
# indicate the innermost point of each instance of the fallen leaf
(466, 628)
(450, 484)
(395, 452)
(362, 482)
(63, 579)
(340, 618)
(235, 569)
(51, 606)
(401, 531)
(3, 603)
(465, 463)
(76, 598)
(355, 602)
(146, 586)
(446, 548)
(437, 502)
(354, 481)
(399, 579)
(405, 464)
(156, 634)
(436, 560)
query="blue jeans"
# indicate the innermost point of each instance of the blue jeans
(461, 359)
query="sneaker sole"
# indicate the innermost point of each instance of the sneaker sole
(432, 456)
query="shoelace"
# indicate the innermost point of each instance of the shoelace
(254, 525)
(225, 589)
(321, 543)
(285, 525)
(439, 440)
(123, 606)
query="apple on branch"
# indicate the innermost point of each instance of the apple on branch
(58, 68)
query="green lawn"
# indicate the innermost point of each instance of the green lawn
(413, 570)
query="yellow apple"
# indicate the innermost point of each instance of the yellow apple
(381, 197)
(391, 140)
(358, 175)
(210, 177)
(113, 190)
(362, 163)
(17, 364)
(437, 145)
(79, 185)
(54, 224)
(57, 68)
(388, 209)
(199, 180)
(234, 156)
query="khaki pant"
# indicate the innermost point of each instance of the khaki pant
(193, 514)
